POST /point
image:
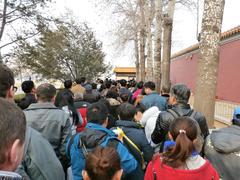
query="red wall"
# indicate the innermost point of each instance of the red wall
(184, 69)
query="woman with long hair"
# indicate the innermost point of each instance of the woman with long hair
(180, 160)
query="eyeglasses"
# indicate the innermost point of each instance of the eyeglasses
(15, 88)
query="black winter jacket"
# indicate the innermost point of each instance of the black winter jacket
(137, 136)
(165, 119)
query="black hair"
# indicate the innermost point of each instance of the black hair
(150, 85)
(27, 86)
(45, 92)
(181, 92)
(108, 84)
(140, 85)
(94, 86)
(124, 97)
(123, 82)
(68, 84)
(6, 80)
(140, 108)
(127, 111)
(80, 80)
(97, 113)
(112, 94)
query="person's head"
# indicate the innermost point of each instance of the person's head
(123, 82)
(149, 87)
(98, 113)
(102, 163)
(94, 86)
(6, 82)
(112, 94)
(124, 97)
(46, 93)
(184, 132)
(80, 80)
(165, 90)
(12, 138)
(28, 87)
(179, 93)
(68, 84)
(127, 111)
(140, 108)
(140, 85)
(236, 116)
(108, 84)
(83, 80)
(64, 98)
(88, 88)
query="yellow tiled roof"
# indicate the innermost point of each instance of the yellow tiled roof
(124, 70)
(194, 47)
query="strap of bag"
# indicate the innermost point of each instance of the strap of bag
(132, 144)
(70, 144)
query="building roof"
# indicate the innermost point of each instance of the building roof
(124, 70)
(194, 47)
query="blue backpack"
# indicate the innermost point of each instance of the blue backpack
(77, 150)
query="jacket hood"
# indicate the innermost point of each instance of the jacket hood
(226, 140)
(94, 135)
(128, 124)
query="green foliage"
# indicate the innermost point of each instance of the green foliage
(67, 50)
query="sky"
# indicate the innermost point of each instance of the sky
(184, 28)
(103, 23)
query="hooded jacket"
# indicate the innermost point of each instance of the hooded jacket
(223, 151)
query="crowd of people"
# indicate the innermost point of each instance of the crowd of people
(110, 130)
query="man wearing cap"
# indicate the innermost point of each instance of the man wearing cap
(89, 96)
(51, 122)
(223, 149)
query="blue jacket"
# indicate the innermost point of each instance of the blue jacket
(154, 99)
(128, 163)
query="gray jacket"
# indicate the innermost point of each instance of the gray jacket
(40, 161)
(223, 151)
(52, 123)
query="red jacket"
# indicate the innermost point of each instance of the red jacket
(165, 172)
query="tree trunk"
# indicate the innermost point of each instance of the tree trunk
(149, 18)
(167, 41)
(137, 58)
(3, 25)
(157, 47)
(209, 59)
(142, 41)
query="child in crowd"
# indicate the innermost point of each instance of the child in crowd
(180, 160)
(102, 163)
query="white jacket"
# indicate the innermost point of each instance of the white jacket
(148, 120)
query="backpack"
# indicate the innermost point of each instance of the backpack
(132, 146)
(200, 140)
(76, 151)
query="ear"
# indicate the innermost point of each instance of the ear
(105, 124)
(118, 175)
(16, 153)
(53, 99)
(85, 175)
(170, 136)
(10, 93)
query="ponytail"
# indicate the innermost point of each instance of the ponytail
(183, 131)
